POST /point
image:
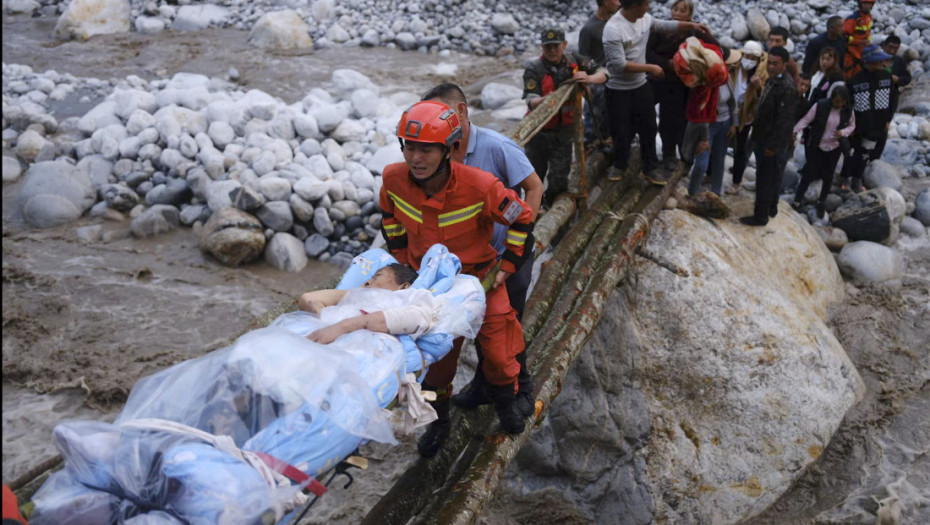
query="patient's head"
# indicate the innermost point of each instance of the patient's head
(392, 277)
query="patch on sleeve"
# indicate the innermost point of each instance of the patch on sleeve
(530, 84)
(512, 212)
(504, 204)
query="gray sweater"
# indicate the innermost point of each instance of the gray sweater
(625, 41)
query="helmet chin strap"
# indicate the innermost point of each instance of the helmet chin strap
(443, 168)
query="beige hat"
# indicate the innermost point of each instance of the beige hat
(734, 57)
(751, 47)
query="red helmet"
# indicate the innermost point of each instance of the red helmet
(430, 121)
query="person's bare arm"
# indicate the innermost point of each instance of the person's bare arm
(533, 192)
(315, 301)
(373, 322)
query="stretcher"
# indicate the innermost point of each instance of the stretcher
(243, 434)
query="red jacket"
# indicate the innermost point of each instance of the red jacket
(461, 216)
(702, 99)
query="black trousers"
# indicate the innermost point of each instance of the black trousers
(633, 112)
(768, 185)
(741, 151)
(820, 165)
(672, 98)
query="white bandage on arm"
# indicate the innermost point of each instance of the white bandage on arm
(415, 319)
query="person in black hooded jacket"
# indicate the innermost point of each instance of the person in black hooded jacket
(772, 134)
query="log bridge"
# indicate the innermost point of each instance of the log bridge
(598, 233)
(592, 258)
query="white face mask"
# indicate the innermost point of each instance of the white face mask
(748, 63)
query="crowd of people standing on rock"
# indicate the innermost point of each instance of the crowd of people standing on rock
(838, 102)
(460, 184)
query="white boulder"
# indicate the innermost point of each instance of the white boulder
(283, 29)
(869, 262)
(86, 18)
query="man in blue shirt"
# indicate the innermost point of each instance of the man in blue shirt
(492, 152)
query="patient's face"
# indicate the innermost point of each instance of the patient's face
(384, 279)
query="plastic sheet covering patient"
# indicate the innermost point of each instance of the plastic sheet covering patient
(206, 441)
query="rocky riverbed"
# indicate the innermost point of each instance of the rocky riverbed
(116, 291)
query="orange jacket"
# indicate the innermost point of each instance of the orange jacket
(11, 507)
(858, 30)
(461, 216)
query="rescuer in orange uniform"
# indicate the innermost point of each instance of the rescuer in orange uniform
(858, 30)
(429, 199)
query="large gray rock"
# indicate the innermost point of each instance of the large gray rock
(866, 262)
(900, 152)
(322, 222)
(922, 207)
(12, 169)
(495, 95)
(286, 252)
(739, 29)
(724, 386)
(758, 25)
(30, 144)
(232, 236)
(54, 193)
(874, 215)
(276, 215)
(283, 29)
(880, 174)
(504, 23)
(196, 17)
(160, 218)
(119, 197)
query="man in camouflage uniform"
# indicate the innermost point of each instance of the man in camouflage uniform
(550, 151)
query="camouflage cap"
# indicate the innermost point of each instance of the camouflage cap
(552, 35)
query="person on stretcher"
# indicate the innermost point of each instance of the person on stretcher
(416, 317)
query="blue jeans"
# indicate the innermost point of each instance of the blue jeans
(715, 156)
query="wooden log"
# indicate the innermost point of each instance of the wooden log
(465, 500)
(537, 119)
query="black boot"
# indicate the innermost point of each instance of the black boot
(472, 397)
(525, 402)
(437, 431)
(505, 403)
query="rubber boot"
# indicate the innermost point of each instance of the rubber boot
(473, 396)
(505, 403)
(525, 402)
(437, 432)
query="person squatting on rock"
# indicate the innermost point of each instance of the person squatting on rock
(771, 136)
(550, 151)
(871, 91)
(500, 156)
(827, 126)
(833, 39)
(630, 100)
(858, 31)
(747, 80)
(591, 44)
(670, 93)
(428, 199)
